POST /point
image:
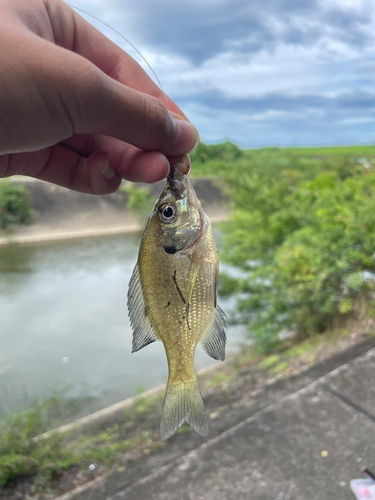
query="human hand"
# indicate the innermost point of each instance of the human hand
(75, 109)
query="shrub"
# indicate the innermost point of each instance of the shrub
(302, 233)
(226, 151)
(139, 201)
(14, 205)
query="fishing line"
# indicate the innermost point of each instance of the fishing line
(126, 40)
(329, 388)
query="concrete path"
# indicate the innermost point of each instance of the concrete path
(304, 443)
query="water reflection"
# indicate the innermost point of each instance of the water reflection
(63, 320)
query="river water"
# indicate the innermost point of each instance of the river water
(64, 324)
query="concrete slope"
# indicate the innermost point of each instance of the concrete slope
(306, 444)
(60, 213)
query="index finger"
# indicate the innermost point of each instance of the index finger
(74, 33)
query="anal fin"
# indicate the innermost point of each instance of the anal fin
(215, 339)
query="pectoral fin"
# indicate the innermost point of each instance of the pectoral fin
(143, 333)
(214, 339)
(193, 273)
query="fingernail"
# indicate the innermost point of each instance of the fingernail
(108, 171)
(187, 137)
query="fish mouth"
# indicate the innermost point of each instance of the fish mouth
(176, 184)
(181, 188)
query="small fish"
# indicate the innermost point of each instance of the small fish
(172, 297)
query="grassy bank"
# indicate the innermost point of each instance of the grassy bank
(61, 461)
(358, 151)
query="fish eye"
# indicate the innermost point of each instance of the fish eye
(167, 213)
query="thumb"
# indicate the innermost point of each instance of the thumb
(105, 106)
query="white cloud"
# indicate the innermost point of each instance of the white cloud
(296, 51)
(347, 5)
(288, 70)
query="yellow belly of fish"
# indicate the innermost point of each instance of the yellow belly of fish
(180, 324)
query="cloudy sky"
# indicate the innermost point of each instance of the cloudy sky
(258, 72)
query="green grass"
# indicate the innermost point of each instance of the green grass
(269, 362)
(219, 379)
(365, 151)
(279, 368)
(273, 365)
(21, 454)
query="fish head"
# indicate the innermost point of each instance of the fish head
(177, 214)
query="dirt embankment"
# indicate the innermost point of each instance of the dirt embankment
(60, 213)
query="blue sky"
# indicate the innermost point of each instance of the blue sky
(258, 72)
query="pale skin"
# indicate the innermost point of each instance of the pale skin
(75, 109)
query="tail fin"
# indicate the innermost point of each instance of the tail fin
(183, 403)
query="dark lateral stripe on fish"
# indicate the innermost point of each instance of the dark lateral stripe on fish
(178, 288)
